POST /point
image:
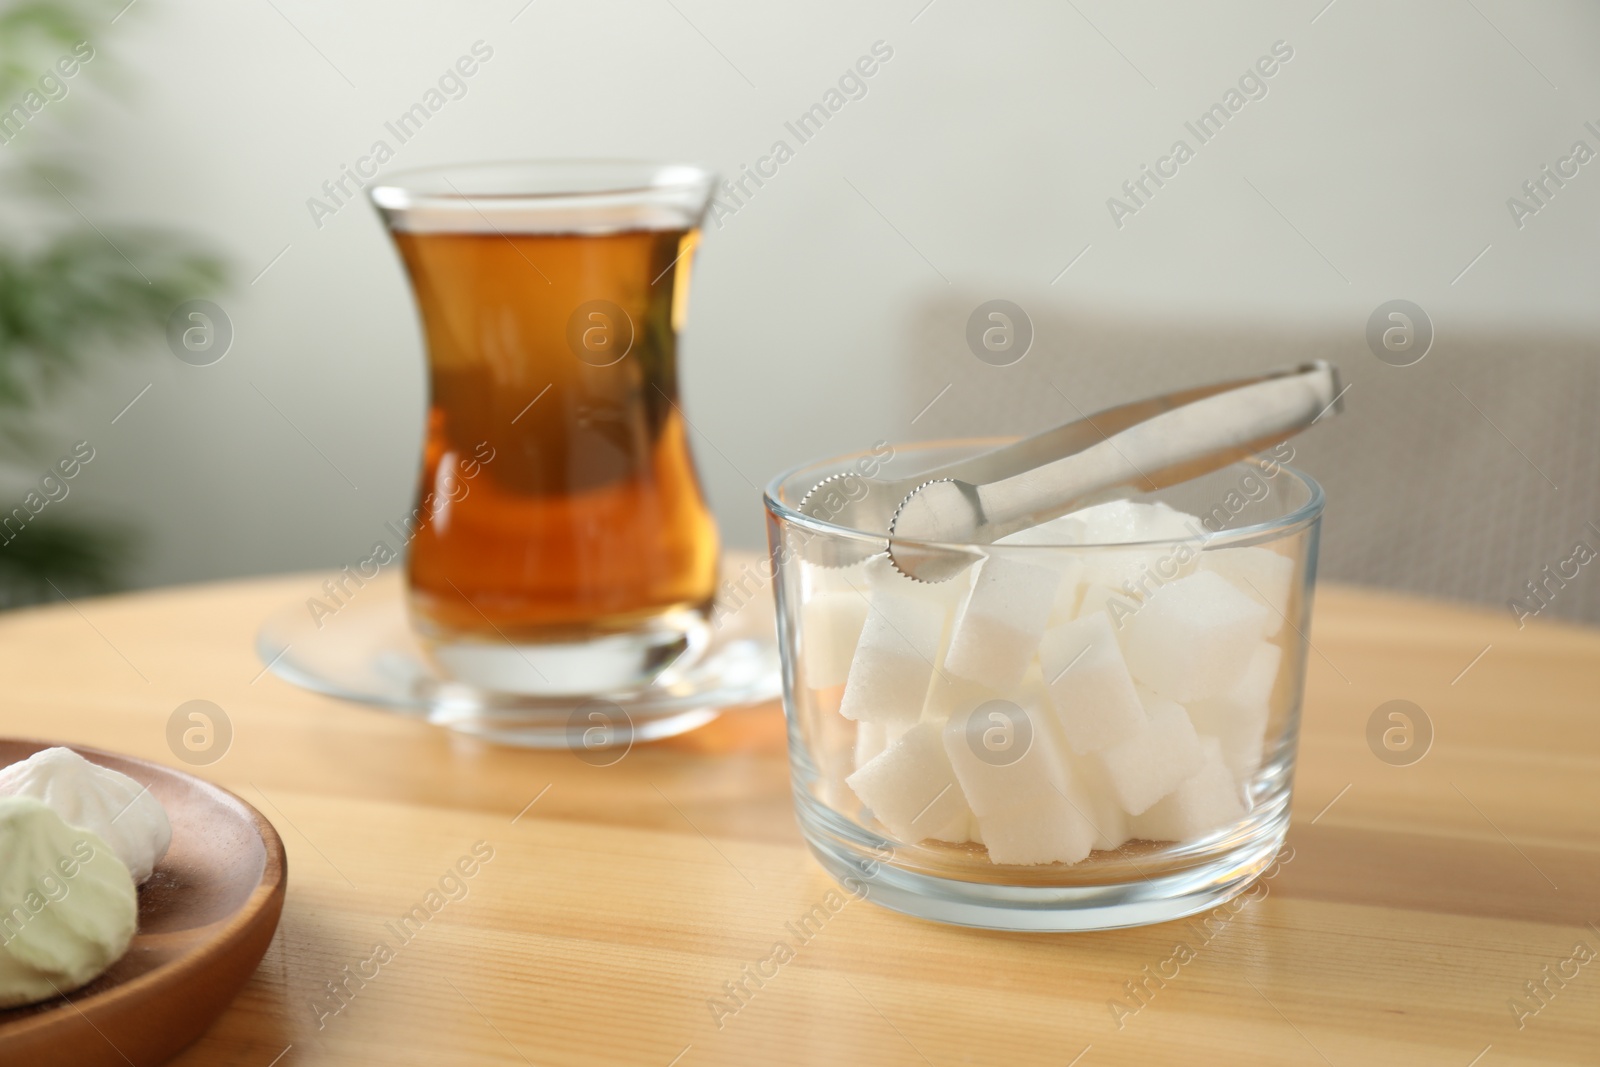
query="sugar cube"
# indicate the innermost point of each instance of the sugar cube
(943, 597)
(1117, 606)
(1238, 718)
(1205, 802)
(1070, 568)
(1070, 592)
(816, 579)
(1089, 684)
(1050, 831)
(888, 677)
(1120, 521)
(949, 695)
(872, 738)
(1194, 637)
(959, 832)
(1100, 805)
(997, 627)
(833, 794)
(1121, 569)
(1005, 756)
(829, 738)
(830, 623)
(1066, 530)
(1061, 826)
(1139, 569)
(1262, 574)
(911, 789)
(1154, 761)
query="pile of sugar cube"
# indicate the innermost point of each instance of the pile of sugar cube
(1048, 703)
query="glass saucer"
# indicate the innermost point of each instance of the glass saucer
(365, 651)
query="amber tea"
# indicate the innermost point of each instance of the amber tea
(580, 555)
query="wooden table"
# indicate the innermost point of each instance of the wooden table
(1418, 900)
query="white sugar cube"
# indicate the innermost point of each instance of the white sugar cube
(1062, 531)
(1066, 530)
(942, 596)
(1089, 684)
(1100, 805)
(1115, 605)
(1005, 756)
(911, 789)
(1069, 587)
(1137, 573)
(816, 579)
(894, 657)
(1194, 637)
(1069, 594)
(1205, 802)
(1052, 831)
(960, 834)
(830, 740)
(1238, 718)
(830, 623)
(1262, 574)
(949, 695)
(997, 627)
(1143, 569)
(1062, 826)
(872, 738)
(1033, 811)
(1156, 760)
(1121, 521)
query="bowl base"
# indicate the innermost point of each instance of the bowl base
(1038, 908)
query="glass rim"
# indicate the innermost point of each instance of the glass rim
(623, 179)
(1302, 516)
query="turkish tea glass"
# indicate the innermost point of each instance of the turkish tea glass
(560, 542)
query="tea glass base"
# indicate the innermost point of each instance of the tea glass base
(852, 857)
(600, 664)
(366, 651)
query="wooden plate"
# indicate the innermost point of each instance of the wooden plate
(205, 919)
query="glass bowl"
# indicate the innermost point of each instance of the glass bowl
(1092, 726)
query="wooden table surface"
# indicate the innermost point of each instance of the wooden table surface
(1402, 928)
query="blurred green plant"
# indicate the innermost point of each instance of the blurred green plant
(71, 294)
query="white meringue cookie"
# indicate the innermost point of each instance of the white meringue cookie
(68, 907)
(107, 803)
